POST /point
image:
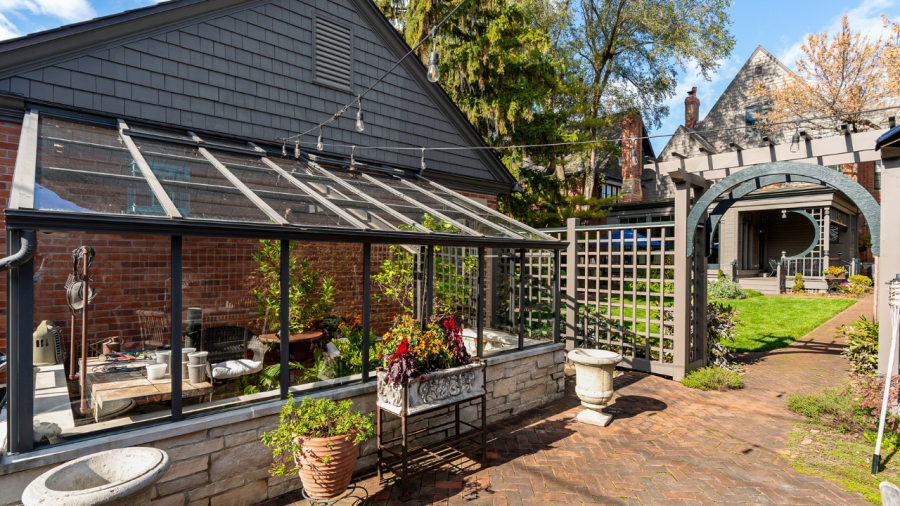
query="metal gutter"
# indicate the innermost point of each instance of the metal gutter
(28, 241)
(22, 219)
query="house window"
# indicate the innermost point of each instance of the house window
(878, 175)
(753, 117)
(608, 190)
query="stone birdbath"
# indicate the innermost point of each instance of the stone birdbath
(123, 477)
(594, 383)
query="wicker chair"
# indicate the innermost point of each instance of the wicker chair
(225, 343)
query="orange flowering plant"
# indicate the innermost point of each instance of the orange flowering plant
(409, 351)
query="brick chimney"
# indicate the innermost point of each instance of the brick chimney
(691, 109)
(632, 159)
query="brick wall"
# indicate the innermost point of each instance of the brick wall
(227, 464)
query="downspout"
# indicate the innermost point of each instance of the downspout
(25, 253)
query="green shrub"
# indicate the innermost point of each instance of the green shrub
(720, 275)
(753, 293)
(713, 378)
(862, 346)
(798, 284)
(859, 279)
(834, 407)
(725, 289)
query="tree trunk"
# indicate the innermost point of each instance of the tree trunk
(590, 175)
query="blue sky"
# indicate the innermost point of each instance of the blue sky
(778, 26)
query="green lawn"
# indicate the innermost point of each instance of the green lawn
(770, 323)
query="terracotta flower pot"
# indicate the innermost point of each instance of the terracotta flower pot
(321, 480)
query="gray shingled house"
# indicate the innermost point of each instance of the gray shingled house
(812, 226)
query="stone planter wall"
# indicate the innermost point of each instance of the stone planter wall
(218, 460)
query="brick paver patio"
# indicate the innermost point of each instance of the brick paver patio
(667, 444)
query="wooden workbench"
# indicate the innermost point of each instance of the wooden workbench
(109, 386)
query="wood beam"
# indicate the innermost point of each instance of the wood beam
(857, 147)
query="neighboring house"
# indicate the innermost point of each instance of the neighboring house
(755, 232)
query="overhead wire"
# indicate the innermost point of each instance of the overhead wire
(596, 141)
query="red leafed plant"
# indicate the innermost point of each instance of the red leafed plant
(402, 366)
(869, 391)
(455, 341)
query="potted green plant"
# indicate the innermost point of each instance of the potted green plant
(834, 272)
(321, 439)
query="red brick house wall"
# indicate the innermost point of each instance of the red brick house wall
(131, 272)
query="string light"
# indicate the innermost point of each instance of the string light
(352, 159)
(360, 126)
(434, 73)
(284, 149)
(319, 144)
(423, 160)
(297, 149)
(795, 140)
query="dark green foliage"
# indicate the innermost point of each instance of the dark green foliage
(753, 293)
(862, 346)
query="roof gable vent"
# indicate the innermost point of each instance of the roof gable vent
(334, 54)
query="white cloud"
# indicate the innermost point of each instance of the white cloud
(865, 18)
(69, 11)
(7, 29)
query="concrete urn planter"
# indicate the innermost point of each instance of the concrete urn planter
(431, 390)
(594, 383)
(123, 477)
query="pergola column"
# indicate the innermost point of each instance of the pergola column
(690, 271)
(888, 264)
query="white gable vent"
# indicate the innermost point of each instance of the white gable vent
(333, 54)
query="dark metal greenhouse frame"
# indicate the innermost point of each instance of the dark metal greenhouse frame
(24, 221)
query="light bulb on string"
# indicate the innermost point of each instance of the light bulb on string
(360, 126)
(319, 145)
(297, 149)
(352, 159)
(434, 72)
(284, 149)
(423, 160)
(795, 140)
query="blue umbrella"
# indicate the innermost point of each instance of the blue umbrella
(616, 238)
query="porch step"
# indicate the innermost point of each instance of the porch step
(768, 286)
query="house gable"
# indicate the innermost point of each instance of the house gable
(246, 68)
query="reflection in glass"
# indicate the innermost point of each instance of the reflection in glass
(88, 169)
(127, 329)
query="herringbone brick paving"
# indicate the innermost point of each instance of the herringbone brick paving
(668, 445)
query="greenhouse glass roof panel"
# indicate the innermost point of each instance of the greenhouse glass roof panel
(88, 169)
(370, 212)
(198, 189)
(291, 202)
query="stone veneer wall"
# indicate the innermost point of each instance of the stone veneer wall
(218, 460)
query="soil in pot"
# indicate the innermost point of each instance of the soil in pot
(326, 464)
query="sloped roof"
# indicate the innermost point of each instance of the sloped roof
(243, 67)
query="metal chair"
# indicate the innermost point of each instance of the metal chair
(226, 343)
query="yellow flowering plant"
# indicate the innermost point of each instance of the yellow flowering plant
(428, 349)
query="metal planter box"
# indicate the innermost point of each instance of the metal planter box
(437, 389)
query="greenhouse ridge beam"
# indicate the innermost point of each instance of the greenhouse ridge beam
(55, 221)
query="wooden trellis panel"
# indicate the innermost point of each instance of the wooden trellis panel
(622, 282)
